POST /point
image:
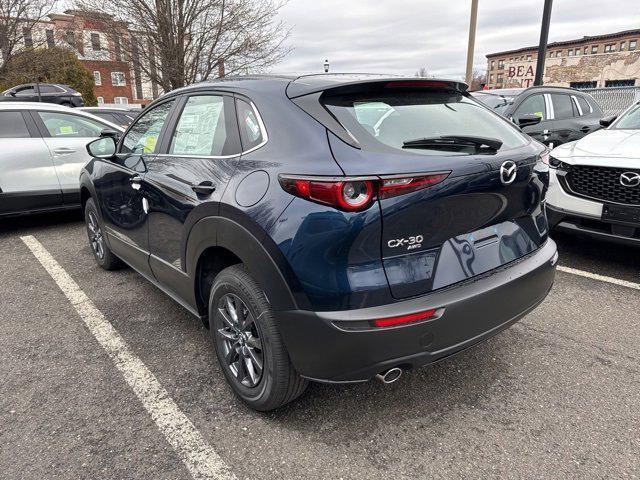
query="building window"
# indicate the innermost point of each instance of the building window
(491, 78)
(610, 47)
(594, 49)
(551, 54)
(570, 53)
(97, 78)
(95, 42)
(633, 44)
(121, 100)
(100, 100)
(619, 83)
(559, 53)
(529, 57)
(622, 44)
(118, 79)
(586, 50)
(28, 39)
(70, 38)
(500, 64)
(117, 50)
(499, 78)
(581, 85)
(493, 64)
(577, 52)
(50, 40)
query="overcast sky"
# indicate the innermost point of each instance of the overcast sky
(400, 36)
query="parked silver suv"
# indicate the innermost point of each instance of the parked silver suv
(42, 149)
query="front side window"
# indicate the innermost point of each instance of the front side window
(383, 119)
(142, 137)
(630, 120)
(70, 126)
(26, 92)
(202, 128)
(12, 125)
(562, 106)
(533, 105)
(250, 128)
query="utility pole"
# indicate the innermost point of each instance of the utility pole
(472, 40)
(542, 46)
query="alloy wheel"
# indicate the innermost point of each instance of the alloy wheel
(95, 236)
(241, 343)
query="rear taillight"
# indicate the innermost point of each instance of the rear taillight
(355, 194)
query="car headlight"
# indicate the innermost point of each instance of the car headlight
(556, 163)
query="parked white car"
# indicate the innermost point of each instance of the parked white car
(42, 150)
(595, 182)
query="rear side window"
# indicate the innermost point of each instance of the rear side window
(533, 105)
(584, 105)
(68, 125)
(202, 128)
(12, 125)
(393, 117)
(562, 106)
(250, 128)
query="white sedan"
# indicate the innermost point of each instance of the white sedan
(595, 182)
(42, 150)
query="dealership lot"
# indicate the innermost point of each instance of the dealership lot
(556, 396)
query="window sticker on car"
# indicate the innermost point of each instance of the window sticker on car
(66, 130)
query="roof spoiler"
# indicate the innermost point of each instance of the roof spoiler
(305, 85)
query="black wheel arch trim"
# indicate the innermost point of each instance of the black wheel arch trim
(258, 253)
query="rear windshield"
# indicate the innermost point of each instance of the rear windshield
(391, 118)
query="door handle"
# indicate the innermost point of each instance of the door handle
(63, 150)
(204, 188)
(585, 129)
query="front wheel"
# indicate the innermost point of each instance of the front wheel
(101, 251)
(248, 345)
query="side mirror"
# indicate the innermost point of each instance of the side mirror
(103, 147)
(606, 121)
(528, 120)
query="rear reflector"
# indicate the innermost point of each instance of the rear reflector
(404, 319)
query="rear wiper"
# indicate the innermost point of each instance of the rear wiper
(454, 141)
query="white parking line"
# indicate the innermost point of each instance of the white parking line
(602, 278)
(198, 456)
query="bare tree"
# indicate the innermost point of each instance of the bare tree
(478, 80)
(422, 72)
(17, 21)
(177, 42)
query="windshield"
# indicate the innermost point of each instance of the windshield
(497, 102)
(392, 118)
(630, 120)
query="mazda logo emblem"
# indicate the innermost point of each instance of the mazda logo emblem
(508, 172)
(630, 179)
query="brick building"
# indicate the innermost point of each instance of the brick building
(116, 81)
(611, 60)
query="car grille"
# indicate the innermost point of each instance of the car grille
(602, 183)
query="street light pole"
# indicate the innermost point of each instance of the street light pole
(472, 40)
(542, 46)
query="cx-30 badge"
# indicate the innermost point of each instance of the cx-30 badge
(630, 179)
(508, 172)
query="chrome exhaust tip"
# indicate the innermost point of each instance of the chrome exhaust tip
(390, 376)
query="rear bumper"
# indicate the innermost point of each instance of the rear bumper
(473, 311)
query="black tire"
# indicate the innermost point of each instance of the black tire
(101, 252)
(278, 382)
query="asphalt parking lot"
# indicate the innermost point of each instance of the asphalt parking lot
(555, 396)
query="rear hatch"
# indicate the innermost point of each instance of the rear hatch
(483, 209)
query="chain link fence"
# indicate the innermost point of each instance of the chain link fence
(614, 100)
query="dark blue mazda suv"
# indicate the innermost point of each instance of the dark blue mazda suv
(331, 228)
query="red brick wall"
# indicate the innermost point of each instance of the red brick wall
(106, 90)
